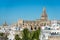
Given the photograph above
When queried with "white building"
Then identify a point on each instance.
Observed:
(53, 30)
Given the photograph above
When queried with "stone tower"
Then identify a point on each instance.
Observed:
(44, 15)
(5, 24)
(44, 18)
(20, 22)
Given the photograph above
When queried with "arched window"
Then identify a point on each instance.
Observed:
(31, 28)
(35, 28)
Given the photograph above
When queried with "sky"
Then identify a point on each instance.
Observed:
(13, 10)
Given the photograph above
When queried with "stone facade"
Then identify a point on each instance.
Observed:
(43, 21)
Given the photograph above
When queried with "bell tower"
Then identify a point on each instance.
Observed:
(44, 15)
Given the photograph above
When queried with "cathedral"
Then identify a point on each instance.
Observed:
(50, 29)
(33, 25)
(43, 21)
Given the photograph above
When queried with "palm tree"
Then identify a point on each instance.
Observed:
(27, 35)
(36, 35)
(33, 35)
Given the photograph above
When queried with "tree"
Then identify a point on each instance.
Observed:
(17, 37)
(4, 36)
(26, 34)
(36, 34)
(1, 34)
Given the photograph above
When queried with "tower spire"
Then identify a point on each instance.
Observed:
(44, 15)
(44, 12)
(5, 24)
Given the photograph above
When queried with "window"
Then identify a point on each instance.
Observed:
(35, 28)
(31, 28)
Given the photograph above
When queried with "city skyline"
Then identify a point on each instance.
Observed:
(13, 10)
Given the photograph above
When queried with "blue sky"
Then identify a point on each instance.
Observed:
(13, 10)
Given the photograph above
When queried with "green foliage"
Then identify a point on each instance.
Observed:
(17, 37)
(36, 34)
(27, 35)
(4, 36)
(1, 34)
